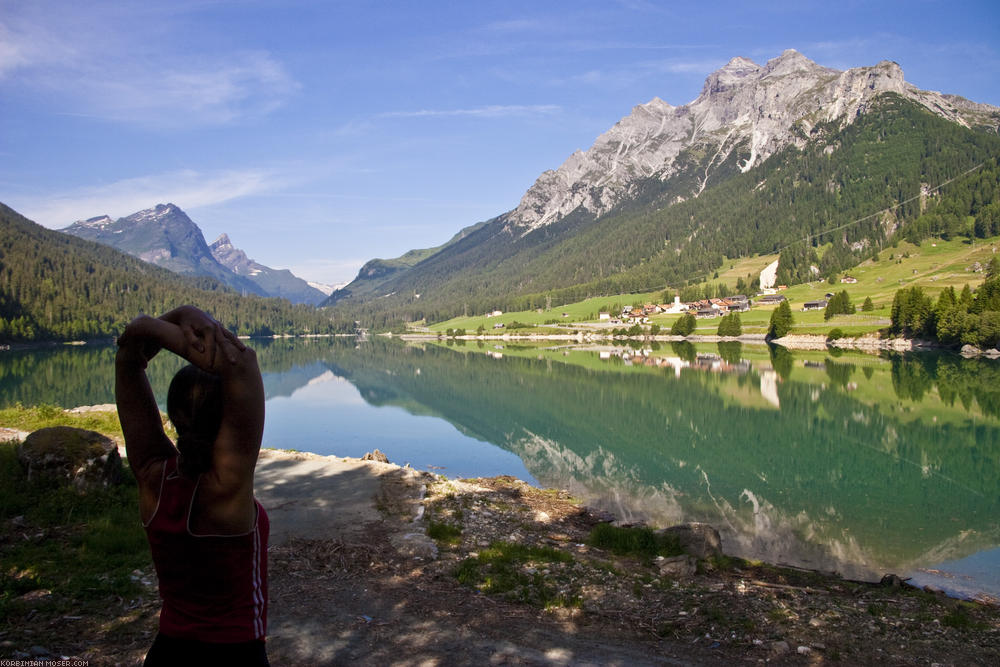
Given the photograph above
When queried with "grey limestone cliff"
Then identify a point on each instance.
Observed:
(745, 110)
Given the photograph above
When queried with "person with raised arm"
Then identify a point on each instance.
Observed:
(207, 533)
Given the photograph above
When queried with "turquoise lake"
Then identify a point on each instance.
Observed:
(853, 463)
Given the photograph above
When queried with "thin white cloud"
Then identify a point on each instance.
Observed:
(492, 111)
(121, 64)
(24, 45)
(188, 189)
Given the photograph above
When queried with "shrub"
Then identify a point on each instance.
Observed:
(683, 326)
(640, 542)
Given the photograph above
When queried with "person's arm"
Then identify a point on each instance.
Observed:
(145, 441)
(186, 331)
(238, 442)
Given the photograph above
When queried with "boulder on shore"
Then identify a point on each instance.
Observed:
(377, 455)
(698, 539)
(71, 456)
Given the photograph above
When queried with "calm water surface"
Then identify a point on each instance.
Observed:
(858, 464)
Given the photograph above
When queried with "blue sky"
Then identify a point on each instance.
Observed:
(321, 134)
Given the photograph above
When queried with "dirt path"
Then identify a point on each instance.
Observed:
(386, 595)
(353, 580)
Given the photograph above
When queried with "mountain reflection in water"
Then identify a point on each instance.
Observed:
(857, 464)
(841, 462)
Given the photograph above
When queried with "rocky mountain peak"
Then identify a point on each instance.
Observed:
(734, 72)
(233, 258)
(164, 235)
(790, 61)
(221, 242)
(98, 222)
(744, 109)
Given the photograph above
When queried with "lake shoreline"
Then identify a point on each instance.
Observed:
(335, 461)
(720, 608)
(807, 342)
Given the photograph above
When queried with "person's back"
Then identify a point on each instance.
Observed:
(214, 587)
(207, 533)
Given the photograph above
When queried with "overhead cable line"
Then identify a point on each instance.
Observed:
(885, 210)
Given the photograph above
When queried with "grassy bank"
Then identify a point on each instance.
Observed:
(69, 559)
(65, 552)
(933, 265)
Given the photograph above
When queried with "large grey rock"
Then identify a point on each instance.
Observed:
(678, 567)
(697, 539)
(73, 456)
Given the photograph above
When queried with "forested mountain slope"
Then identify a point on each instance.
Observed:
(897, 169)
(164, 235)
(57, 287)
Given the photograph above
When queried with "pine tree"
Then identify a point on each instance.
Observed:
(683, 326)
(730, 325)
(781, 321)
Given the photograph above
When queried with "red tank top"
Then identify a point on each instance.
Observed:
(213, 587)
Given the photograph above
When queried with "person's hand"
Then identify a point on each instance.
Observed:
(230, 345)
(201, 332)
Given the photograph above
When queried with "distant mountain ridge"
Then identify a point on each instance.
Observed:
(164, 235)
(764, 157)
(743, 107)
(274, 282)
(56, 286)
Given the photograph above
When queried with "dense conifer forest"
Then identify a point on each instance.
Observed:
(964, 318)
(897, 171)
(57, 287)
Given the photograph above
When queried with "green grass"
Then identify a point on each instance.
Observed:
(82, 547)
(933, 265)
(577, 312)
(960, 619)
(513, 571)
(35, 417)
(444, 533)
(43, 416)
(638, 542)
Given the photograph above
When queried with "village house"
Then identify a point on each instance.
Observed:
(738, 304)
(851, 279)
(771, 299)
(604, 316)
(815, 305)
